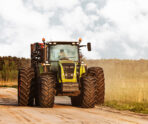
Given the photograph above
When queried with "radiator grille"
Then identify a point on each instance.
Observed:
(68, 70)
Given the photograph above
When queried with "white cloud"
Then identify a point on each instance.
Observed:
(130, 17)
(54, 4)
(75, 20)
(21, 27)
(130, 52)
(19, 15)
(91, 7)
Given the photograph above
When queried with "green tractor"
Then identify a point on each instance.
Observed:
(57, 69)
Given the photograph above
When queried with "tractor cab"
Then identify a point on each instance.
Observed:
(62, 53)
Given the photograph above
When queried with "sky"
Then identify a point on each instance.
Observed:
(116, 28)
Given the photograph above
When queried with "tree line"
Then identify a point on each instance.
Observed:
(9, 67)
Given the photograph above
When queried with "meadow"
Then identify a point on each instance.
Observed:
(126, 83)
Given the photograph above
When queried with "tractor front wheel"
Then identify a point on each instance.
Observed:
(46, 91)
(88, 91)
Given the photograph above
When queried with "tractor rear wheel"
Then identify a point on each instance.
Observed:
(46, 90)
(98, 73)
(25, 86)
(88, 91)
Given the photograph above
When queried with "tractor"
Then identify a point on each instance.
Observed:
(57, 69)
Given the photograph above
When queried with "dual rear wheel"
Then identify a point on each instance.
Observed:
(98, 74)
(86, 99)
(27, 88)
(92, 90)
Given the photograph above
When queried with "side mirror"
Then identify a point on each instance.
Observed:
(89, 46)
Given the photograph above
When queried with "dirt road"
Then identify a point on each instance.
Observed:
(62, 113)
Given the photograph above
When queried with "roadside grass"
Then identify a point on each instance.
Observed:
(132, 96)
(134, 107)
(10, 84)
(13, 86)
(129, 91)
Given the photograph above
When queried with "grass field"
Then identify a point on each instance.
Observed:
(126, 83)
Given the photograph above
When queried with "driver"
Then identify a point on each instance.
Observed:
(62, 54)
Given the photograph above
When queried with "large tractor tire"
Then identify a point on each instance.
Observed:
(76, 100)
(88, 91)
(26, 86)
(98, 73)
(46, 91)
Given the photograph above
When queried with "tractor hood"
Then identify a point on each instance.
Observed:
(68, 71)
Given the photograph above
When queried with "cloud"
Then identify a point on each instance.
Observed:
(128, 17)
(116, 28)
(130, 20)
(91, 7)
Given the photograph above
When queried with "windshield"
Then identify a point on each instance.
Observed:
(63, 52)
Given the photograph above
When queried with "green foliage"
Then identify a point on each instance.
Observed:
(9, 67)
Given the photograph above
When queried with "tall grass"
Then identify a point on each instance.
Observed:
(126, 80)
(127, 91)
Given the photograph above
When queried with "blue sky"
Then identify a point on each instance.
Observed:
(116, 28)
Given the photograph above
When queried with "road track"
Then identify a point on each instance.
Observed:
(62, 113)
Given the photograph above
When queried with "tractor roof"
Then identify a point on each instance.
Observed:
(63, 42)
